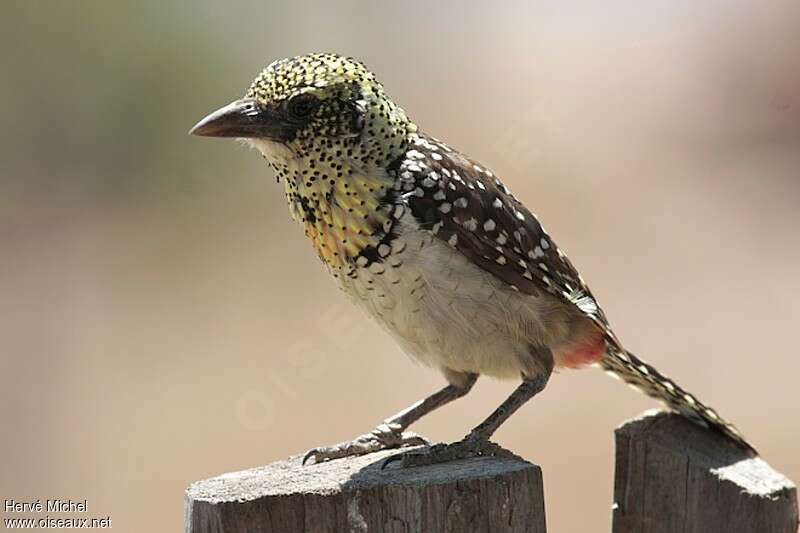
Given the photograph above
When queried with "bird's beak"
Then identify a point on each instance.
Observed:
(242, 118)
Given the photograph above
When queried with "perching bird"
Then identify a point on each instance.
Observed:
(433, 246)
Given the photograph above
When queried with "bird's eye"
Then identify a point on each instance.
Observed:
(303, 105)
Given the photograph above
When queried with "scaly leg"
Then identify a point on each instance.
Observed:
(391, 433)
(477, 442)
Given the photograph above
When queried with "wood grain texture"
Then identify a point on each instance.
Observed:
(353, 495)
(675, 477)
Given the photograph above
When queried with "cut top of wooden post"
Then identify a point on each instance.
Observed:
(672, 475)
(353, 494)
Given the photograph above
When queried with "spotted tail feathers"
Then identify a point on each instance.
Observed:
(632, 370)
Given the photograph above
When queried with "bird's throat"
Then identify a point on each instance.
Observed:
(340, 204)
(342, 217)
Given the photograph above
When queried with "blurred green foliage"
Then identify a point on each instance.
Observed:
(98, 97)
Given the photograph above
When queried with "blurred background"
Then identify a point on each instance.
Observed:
(157, 304)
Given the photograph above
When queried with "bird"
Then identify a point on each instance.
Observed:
(434, 247)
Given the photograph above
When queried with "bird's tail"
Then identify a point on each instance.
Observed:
(634, 371)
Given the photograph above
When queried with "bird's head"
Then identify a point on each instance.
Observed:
(314, 105)
(329, 131)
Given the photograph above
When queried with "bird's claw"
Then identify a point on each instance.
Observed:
(384, 437)
(470, 446)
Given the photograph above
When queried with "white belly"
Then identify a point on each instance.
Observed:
(448, 313)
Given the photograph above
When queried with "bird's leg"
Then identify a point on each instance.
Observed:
(477, 442)
(392, 432)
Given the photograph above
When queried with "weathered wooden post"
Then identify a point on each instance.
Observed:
(672, 476)
(487, 495)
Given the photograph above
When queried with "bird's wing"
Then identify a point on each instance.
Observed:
(466, 206)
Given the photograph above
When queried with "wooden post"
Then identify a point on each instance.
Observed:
(484, 494)
(672, 475)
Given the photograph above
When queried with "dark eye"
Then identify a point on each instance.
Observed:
(303, 105)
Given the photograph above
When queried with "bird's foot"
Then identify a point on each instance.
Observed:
(383, 437)
(470, 446)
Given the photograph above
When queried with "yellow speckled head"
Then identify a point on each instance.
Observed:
(326, 101)
(284, 78)
(331, 134)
